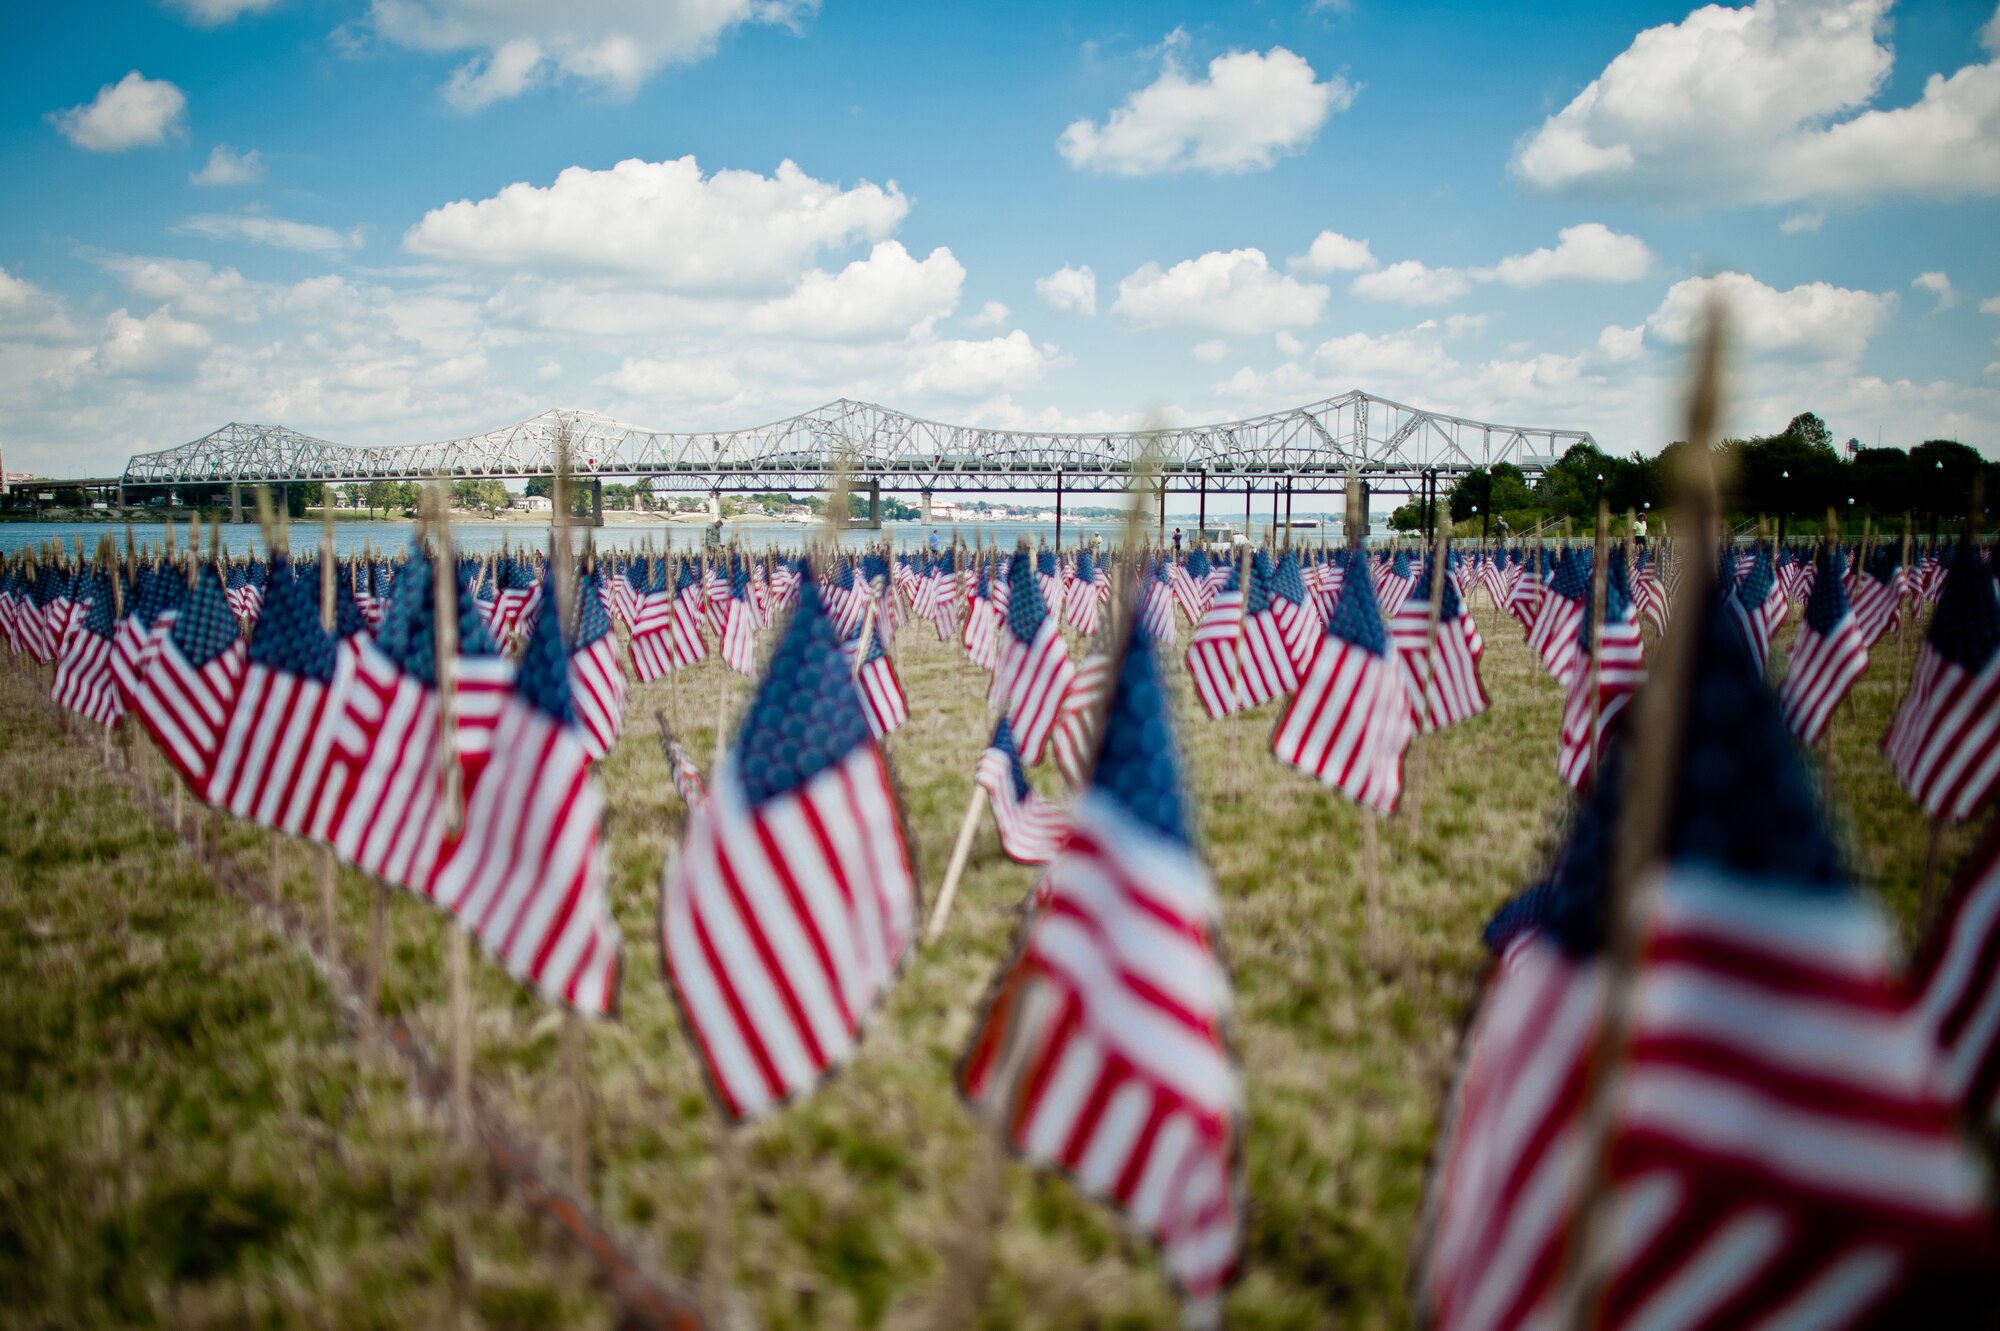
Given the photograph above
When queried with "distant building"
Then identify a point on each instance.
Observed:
(536, 504)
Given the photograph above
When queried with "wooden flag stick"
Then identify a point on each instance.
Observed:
(1902, 623)
(568, 616)
(446, 628)
(961, 851)
(1599, 591)
(1416, 781)
(1657, 724)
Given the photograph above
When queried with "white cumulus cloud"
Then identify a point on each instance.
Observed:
(1211, 351)
(1771, 103)
(991, 315)
(1410, 282)
(1588, 252)
(889, 292)
(955, 368)
(663, 223)
(1815, 319)
(1250, 109)
(1332, 253)
(1939, 285)
(1233, 291)
(226, 166)
(1069, 290)
(135, 112)
(156, 346)
(613, 45)
(213, 13)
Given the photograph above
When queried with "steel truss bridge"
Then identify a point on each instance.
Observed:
(1314, 448)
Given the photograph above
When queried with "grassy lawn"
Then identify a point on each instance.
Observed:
(182, 1073)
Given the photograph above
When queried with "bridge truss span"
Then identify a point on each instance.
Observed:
(1311, 448)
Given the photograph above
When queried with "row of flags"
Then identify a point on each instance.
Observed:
(1103, 1048)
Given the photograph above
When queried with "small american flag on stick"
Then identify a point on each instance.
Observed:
(790, 906)
(1103, 1050)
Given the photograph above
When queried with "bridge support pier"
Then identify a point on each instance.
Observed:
(236, 503)
(596, 502)
(875, 503)
(1058, 508)
(924, 503)
(1201, 514)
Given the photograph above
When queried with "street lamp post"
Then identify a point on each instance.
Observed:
(1784, 501)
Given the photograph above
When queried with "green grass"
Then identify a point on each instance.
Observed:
(842, 1203)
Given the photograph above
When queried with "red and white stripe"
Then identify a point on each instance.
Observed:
(275, 748)
(380, 805)
(1106, 1041)
(84, 681)
(1349, 723)
(185, 708)
(882, 697)
(597, 690)
(1031, 681)
(1031, 827)
(527, 876)
(1213, 658)
(1945, 741)
(1820, 670)
(783, 923)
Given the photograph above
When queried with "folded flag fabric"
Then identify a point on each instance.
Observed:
(526, 871)
(1031, 828)
(1945, 741)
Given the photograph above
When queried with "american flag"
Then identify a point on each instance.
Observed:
(1298, 611)
(1350, 720)
(526, 874)
(1827, 656)
(739, 625)
(1441, 671)
(1779, 1153)
(483, 678)
(1034, 671)
(1188, 579)
(1031, 828)
(1945, 740)
(1214, 657)
(280, 731)
(1267, 670)
(32, 617)
(790, 906)
(622, 590)
(1649, 593)
(982, 623)
(1621, 669)
(1075, 738)
(1393, 583)
(652, 628)
(1156, 607)
(1954, 987)
(246, 590)
(1103, 1050)
(1554, 633)
(1524, 600)
(84, 682)
(1049, 578)
(380, 806)
(1750, 602)
(191, 682)
(875, 679)
(13, 603)
(56, 596)
(1878, 596)
(846, 597)
(156, 597)
(1084, 596)
(596, 680)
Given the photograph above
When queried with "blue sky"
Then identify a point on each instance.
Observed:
(408, 219)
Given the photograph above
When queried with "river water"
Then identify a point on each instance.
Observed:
(483, 536)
